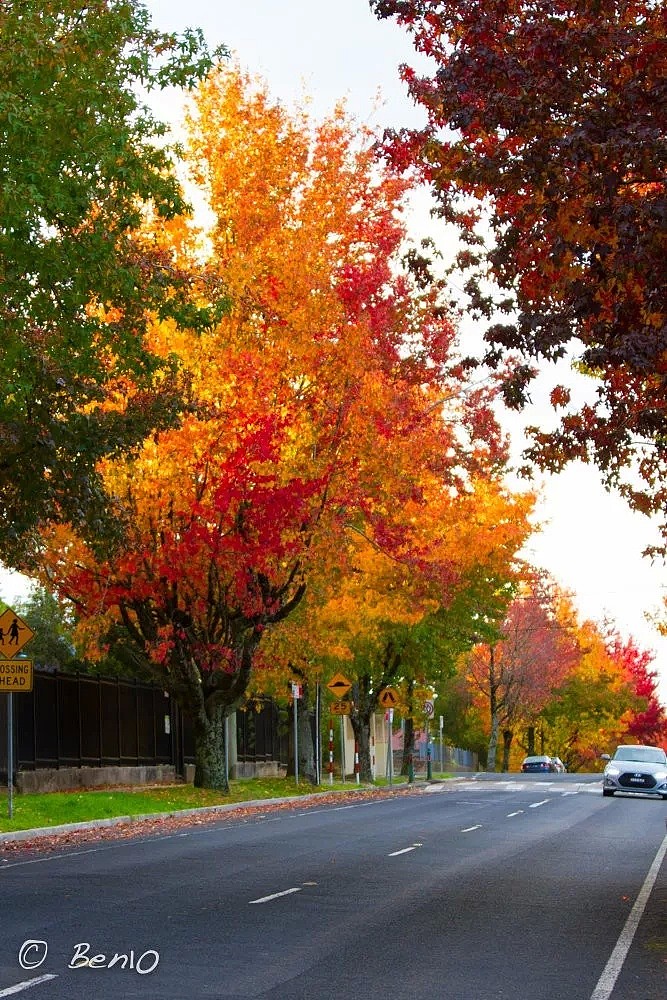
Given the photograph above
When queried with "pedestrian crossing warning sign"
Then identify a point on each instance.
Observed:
(14, 634)
(388, 698)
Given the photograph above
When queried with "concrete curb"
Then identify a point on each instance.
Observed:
(97, 824)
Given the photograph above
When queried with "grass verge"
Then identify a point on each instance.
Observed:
(46, 809)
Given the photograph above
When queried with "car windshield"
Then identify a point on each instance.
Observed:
(647, 755)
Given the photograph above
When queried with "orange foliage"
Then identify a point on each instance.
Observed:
(326, 402)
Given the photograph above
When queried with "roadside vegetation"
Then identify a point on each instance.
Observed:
(33, 811)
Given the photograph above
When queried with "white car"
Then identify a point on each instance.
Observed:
(637, 769)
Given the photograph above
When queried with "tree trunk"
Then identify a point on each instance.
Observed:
(365, 704)
(408, 745)
(531, 741)
(493, 710)
(507, 746)
(305, 723)
(305, 726)
(493, 743)
(209, 736)
(361, 727)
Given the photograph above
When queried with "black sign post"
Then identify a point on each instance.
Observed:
(15, 675)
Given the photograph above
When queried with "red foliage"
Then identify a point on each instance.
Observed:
(649, 724)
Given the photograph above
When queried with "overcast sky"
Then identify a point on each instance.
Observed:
(590, 543)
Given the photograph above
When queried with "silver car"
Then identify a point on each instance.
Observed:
(636, 769)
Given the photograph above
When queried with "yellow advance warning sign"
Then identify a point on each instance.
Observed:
(15, 676)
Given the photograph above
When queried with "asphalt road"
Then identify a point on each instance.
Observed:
(526, 889)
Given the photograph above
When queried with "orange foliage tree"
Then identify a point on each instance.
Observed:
(391, 620)
(594, 707)
(315, 408)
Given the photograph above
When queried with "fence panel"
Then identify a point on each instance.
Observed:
(77, 720)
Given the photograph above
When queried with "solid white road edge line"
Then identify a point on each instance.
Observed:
(26, 985)
(613, 967)
(274, 895)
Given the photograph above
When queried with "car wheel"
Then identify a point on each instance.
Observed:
(607, 791)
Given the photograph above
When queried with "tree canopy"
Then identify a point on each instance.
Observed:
(545, 146)
(329, 401)
(81, 161)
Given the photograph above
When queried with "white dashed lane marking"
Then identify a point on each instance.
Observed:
(274, 895)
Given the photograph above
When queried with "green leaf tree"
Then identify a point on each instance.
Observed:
(52, 646)
(81, 160)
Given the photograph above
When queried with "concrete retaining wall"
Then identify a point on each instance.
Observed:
(66, 778)
(246, 769)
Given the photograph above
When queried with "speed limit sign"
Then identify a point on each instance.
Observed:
(428, 708)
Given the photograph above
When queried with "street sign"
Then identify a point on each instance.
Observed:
(15, 676)
(339, 685)
(428, 708)
(340, 707)
(14, 634)
(297, 690)
(388, 697)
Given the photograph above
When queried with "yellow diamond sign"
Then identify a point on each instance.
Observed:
(14, 634)
(388, 698)
(339, 685)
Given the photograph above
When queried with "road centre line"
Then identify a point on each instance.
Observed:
(517, 813)
(536, 805)
(26, 985)
(611, 971)
(469, 829)
(405, 850)
(274, 895)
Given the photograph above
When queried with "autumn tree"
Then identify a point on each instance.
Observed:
(328, 401)
(80, 159)
(400, 619)
(589, 712)
(544, 145)
(647, 723)
(516, 673)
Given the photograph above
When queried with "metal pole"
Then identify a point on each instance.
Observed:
(296, 741)
(342, 748)
(390, 752)
(227, 750)
(10, 755)
(429, 766)
(442, 753)
(318, 735)
(331, 751)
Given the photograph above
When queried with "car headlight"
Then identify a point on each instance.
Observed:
(613, 772)
(660, 775)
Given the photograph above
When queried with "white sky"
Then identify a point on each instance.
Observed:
(591, 543)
